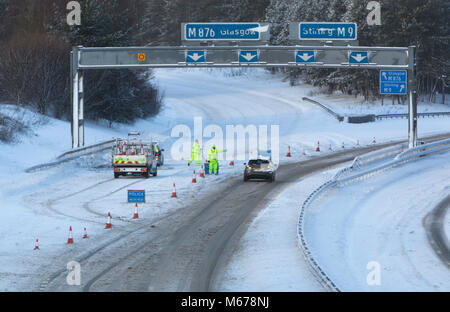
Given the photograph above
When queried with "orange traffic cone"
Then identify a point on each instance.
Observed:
(202, 171)
(303, 151)
(194, 178)
(108, 223)
(318, 147)
(70, 239)
(289, 152)
(135, 215)
(174, 192)
(36, 245)
(374, 141)
(85, 233)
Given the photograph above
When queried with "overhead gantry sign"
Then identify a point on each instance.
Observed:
(207, 52)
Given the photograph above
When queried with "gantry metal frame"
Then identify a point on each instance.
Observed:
(82, 58)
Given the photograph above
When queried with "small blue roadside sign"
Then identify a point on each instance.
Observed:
(248, 56)
(136, 196)
(195, 57)
(328, 31)
(305, 57)
(361, 57)
(222, 31)
(393, 82)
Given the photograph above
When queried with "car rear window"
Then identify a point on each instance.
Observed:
(258, 161)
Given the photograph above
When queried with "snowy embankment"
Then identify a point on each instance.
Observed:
(380, 221)
(80, 193)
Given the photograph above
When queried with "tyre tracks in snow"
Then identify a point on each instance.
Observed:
(434, 227)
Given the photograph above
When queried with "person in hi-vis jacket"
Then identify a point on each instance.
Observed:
(212, 159)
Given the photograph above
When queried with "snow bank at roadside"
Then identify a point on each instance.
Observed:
(380, 220)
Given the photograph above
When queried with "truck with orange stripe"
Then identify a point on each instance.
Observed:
(134, 157)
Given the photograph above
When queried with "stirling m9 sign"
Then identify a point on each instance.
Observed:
(225, 32)
(327, 31)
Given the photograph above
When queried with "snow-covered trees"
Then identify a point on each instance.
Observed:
(423, 23)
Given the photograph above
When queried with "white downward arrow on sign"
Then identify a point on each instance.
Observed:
(402, 87)
(195, 57)
(359, 57)
(306, 56)
(248, 56)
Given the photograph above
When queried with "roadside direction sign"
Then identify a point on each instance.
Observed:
(358, 57)
(195, 56)
(393, 82)
(305, 57)
(136, 196)
(248, 56)
(223, 31)
(328, 31)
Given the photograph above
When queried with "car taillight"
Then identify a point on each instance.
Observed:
(116, 169)
(144, 169)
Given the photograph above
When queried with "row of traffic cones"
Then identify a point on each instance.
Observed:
(85, 235)
(374, 141)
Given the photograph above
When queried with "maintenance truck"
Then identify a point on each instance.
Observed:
(135, 157)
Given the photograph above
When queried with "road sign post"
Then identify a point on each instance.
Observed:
(412, 92)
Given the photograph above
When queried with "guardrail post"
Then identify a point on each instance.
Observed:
(412, 92)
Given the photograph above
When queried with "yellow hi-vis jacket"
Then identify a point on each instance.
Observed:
(196, 151)
(212, 153)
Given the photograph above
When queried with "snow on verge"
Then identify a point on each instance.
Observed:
(380, 221)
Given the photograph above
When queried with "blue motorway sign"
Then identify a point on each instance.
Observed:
(136, 196)
(223, 31)
(248, 56)
(195, 56)
(328, 31)
(305, 57)
(393, 82)
(358, 57)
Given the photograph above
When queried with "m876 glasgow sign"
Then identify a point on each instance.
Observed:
(224, 31)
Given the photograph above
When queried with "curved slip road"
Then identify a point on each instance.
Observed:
(186, 250)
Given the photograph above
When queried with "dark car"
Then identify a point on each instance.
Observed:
(259, 169)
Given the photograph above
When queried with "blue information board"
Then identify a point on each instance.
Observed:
(328, 31)
(393, 82)
(136, 196)
(222, 31)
